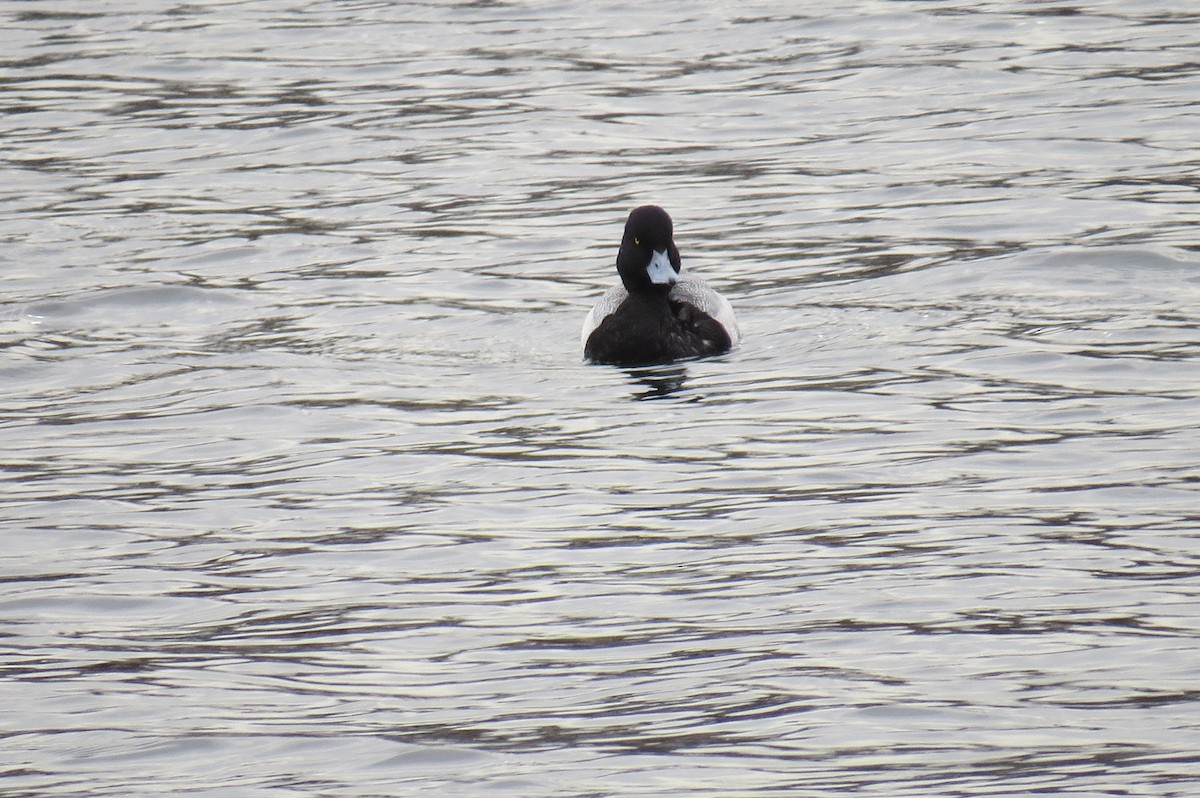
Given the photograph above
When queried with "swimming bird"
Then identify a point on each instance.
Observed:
(657, 314)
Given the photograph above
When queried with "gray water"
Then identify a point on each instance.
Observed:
(307, 490)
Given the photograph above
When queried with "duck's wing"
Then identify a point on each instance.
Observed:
(698, 294)
(607, 305)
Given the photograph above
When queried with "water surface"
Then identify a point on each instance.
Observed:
(308, 492)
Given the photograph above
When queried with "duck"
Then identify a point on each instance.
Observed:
(658, 313)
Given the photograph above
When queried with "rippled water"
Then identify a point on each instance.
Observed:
(307, 490)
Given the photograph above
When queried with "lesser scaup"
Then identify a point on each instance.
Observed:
(657, 314)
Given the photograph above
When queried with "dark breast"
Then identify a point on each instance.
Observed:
(647, 330)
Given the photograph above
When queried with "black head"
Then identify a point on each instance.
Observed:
(648, 260)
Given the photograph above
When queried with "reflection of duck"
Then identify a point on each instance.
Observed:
(659, 382)
(656, 315)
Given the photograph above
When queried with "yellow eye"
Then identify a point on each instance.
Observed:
(637, 242)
